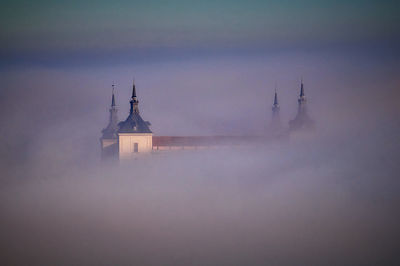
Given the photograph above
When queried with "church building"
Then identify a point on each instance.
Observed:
(128, 137)
(132, 137)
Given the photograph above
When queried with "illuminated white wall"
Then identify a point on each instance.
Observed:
(127, 142)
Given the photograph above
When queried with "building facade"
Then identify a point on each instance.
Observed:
(132, 137)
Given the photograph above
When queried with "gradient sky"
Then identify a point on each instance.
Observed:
(104, 32)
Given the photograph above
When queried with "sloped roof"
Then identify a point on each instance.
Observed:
(134, 124)
(110, 132)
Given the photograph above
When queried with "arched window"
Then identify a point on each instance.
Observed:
(136, 147)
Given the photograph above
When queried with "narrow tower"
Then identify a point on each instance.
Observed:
(275, 108)
(134, 101)
(109, 136)
(302, 120)
(134, 134)
(275, 128)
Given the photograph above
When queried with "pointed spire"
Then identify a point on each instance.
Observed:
(302, 89)
(134, 101)
(276, 97)
(110, 131)
(113, 97)
(133, 90)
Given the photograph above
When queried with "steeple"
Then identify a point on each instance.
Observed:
(302, 89)
(134, 122)
(302, 96)
(110, 131)
(133, 90)
(302, 120)
(113, 97)
(275, 126)
(134, 101)
(276, 104)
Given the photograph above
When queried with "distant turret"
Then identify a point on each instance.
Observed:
(302, 120)
(302, 96)
(275, 106)
(275, 128)
(109, 138)
(110, 132)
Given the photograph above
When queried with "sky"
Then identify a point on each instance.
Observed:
(78, 32)
(200, 68)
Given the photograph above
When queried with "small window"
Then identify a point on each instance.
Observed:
(136, 147)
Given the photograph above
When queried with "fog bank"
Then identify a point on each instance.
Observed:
(329, 199)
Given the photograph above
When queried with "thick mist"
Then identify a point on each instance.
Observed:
(330, 198)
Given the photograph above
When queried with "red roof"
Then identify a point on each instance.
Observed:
(201, 140)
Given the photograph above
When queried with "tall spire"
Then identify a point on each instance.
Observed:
(302, 89)
(302, 96)
(113, 97)
(134, 123)
(276, 99)
(302, 120)
(110, 131)
(274, 128)
(133, 90)
(134, 101)
(276, 104)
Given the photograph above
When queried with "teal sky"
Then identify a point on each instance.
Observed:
(65, 29)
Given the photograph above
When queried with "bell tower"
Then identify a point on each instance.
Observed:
(134, 134)
(109, 138)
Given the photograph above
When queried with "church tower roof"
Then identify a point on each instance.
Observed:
(302, 89)
(113, 97)
(134, 122)
(274, 129)
(302, 120)
(110, 131)
(276, 104)
(302, 96)
(133, 90)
